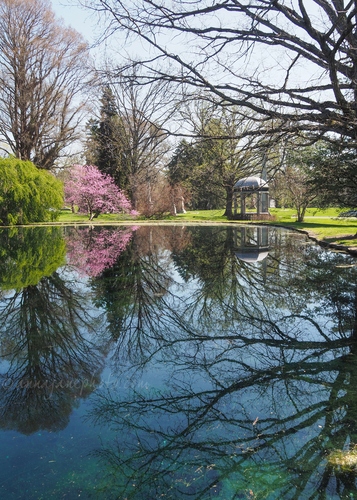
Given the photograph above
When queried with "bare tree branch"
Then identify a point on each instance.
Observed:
(294, 62)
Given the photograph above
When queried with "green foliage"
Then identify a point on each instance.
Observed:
(193, 167)
(334, 174)
(209, 167)
(184, 158)
(27, 194)
(29, 254)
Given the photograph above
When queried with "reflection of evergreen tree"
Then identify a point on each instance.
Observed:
(134, 292)
(204, 257)
(224, 280)
(115, 289)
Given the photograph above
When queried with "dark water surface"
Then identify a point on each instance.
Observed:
(176, 362)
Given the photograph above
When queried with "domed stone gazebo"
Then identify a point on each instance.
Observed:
(246, 187)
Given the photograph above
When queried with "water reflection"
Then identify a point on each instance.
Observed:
(93, 249)
(255, 374)
(229, 380)
(252, 243)
(29, 254)
(47, 332)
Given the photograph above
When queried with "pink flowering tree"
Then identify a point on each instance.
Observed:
(94, 192)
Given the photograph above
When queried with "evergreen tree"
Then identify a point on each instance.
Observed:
(106, 142)
(333, 174)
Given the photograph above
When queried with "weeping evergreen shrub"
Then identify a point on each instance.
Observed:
(27, 194)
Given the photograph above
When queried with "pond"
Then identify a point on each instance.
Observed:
(176, 362)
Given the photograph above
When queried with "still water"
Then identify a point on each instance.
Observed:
(176, 362)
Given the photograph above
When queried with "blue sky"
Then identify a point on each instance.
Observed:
(86, 22)
(76, 17)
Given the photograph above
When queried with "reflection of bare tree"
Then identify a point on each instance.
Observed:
(256, 385)
(269, 420)
(46, 332)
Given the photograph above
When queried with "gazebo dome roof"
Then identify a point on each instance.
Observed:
(252, 183)
(252, 256)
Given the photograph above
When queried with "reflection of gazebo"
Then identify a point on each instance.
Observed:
(251, 244)
(249, 187)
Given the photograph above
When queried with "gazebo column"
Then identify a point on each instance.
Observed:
(242, 203)
(265, 202)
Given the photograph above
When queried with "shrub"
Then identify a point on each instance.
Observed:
(27, 194)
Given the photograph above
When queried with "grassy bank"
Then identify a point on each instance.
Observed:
(325, 225)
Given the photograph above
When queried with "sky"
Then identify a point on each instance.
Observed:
(86, 22)
(78, 18)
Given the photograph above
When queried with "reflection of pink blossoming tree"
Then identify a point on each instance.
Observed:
(91, 250)
(94, 192)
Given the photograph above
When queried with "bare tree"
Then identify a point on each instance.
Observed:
(293, 62)
(294, 187)
(44, 68)
(142, 113)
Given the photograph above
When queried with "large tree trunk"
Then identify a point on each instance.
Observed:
(229, 202)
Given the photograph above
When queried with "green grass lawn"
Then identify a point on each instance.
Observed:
(67, 216)
(323, 224)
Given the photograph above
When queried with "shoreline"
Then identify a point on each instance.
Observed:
(338, 247)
